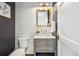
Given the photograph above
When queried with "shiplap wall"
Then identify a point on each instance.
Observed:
(25, 22)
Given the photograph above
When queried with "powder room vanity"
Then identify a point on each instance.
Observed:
(44, 44)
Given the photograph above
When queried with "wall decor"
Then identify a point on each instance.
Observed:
(5, 10)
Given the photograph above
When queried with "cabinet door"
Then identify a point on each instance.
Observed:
(45, 45)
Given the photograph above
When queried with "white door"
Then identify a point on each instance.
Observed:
(68, 29)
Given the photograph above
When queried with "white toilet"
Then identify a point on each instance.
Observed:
(23, 44)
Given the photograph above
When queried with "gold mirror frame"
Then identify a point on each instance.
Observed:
(49, 17)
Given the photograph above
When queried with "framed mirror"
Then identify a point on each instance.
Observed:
(43, 17)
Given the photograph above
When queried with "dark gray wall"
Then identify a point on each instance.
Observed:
(7, 32)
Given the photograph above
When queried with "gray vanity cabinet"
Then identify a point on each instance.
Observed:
(45, 45)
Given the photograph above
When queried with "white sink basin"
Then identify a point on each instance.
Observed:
(44, 34)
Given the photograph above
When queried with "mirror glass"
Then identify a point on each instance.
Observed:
(43, 18)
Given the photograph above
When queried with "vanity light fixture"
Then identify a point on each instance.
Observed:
(43, 4)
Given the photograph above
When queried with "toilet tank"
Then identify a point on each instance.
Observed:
(23, 42)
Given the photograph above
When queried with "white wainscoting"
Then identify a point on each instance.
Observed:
(68, 47)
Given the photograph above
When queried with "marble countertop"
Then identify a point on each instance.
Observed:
(44, 35)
